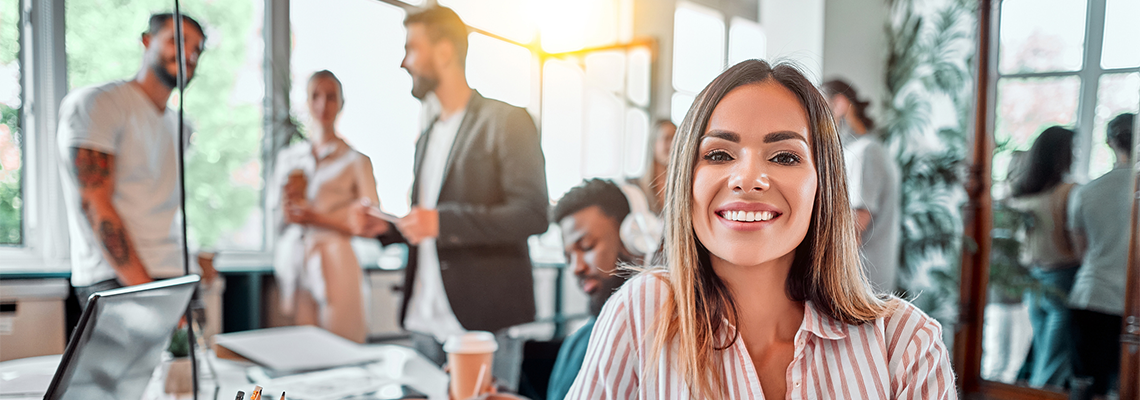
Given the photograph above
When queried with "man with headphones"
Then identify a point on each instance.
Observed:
(604, 225)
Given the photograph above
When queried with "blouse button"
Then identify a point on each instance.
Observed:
(797, 384)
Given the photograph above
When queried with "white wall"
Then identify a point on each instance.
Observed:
(795, 30)
(855, 47)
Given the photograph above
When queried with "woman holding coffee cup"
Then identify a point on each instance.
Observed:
(761, 294)
(315, 184)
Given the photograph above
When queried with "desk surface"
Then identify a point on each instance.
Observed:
(398, 365)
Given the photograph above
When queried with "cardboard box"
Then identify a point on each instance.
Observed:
(32, 317)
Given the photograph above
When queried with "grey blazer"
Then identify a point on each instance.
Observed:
(493, 197)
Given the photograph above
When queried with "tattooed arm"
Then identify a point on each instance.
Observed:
(94, 171)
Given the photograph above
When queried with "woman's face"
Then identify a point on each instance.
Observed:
(324, 100)
(754, 182)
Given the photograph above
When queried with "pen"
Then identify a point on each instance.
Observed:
(256, 394)
(240, 395)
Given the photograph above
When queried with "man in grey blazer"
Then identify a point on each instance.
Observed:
(479, 192)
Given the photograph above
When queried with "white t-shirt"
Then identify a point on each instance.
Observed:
(118, 119)
(429, 310)
(873, 182)
(1099, 211)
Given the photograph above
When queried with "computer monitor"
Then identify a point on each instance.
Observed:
(119, 340)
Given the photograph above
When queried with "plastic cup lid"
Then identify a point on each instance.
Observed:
(472, 342)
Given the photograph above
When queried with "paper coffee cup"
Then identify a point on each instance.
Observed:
(470, 356)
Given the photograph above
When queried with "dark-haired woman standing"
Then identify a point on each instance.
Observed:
(1042, 192)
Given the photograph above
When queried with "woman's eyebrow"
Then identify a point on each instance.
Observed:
(726, 135)
(783, 135)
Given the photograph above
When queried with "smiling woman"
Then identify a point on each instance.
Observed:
(762, 294)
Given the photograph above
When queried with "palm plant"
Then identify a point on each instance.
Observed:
(931, 48)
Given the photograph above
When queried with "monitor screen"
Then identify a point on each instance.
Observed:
(120, 339)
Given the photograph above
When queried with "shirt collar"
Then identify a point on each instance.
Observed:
(821, 324)
(328, 149)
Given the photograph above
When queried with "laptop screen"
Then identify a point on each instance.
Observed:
(120, 339)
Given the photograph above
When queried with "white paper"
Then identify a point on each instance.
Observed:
(329, 385)
(296, 348)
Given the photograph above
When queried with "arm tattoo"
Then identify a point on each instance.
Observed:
(92, 168)
(115, 241)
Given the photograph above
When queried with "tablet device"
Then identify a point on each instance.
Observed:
(119, 340)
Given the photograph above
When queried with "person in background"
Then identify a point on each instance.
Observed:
(118, 145)
(873, 180)
(657, 162)
(761, 294)
(1043, 192)
(479, 192)
(316, 183)
(1099, 233)
(590, 217)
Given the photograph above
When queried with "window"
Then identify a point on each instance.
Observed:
(573, 65)
(1065, 62)
(562, 100)
(499, 69)
(11, 139)
(700, 52)
(364, 49)
(223, 104)
(1071, 63)
(575, 68)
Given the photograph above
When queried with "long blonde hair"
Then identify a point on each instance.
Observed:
(826, 269)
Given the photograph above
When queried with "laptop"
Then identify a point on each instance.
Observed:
(119, 340)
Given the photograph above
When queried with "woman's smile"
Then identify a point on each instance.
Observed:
(743, 216)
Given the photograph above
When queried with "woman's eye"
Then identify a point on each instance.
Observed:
(717, 156)
(786, 159)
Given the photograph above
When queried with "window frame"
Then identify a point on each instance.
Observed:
(45, 246)
(1089, 75)
(46, 235)
(730, 19)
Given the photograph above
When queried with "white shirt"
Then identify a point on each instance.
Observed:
(429, 311)
(873, 183)
(1099, 212)
(898, 356)
(118, 119)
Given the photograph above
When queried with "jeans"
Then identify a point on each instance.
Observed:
(1050, 318)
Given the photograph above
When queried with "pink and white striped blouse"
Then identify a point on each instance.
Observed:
(899, 356)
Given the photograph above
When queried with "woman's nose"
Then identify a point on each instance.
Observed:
(750, 176)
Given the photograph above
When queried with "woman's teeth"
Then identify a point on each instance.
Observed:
(748, 216)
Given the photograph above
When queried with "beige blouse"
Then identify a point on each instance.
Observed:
(338, 176)
(1047, 244)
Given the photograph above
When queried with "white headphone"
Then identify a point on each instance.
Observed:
(641, 231)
